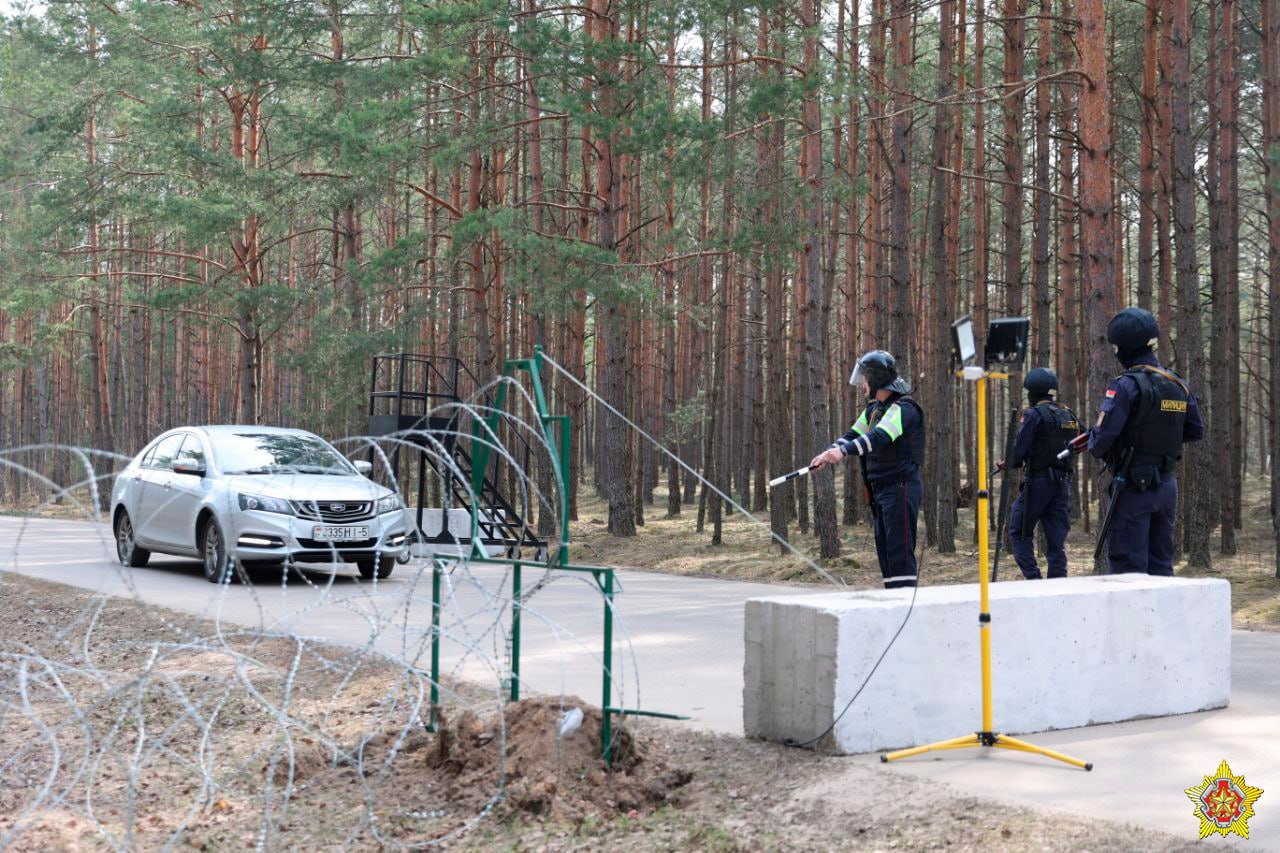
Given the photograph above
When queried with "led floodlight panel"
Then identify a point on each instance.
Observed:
(963, 348)
(1007, 342)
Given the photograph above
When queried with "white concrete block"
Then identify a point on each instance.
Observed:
(1065, 653)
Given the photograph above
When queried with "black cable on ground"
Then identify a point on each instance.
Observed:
(906, 529)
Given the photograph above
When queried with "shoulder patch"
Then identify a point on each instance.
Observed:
(1111, 392)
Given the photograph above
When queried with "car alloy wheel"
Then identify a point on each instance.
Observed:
(213, 552)
(127, 549)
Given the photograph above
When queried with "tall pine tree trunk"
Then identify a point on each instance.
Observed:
(818, 297)
(901, 332)
(1198, 461)
(942, 467)
(615, 453)
(1097, 246)
(1271, 149)
(1040, 248)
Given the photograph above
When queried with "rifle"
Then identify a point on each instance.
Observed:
(1002, 514)
(1117, 483)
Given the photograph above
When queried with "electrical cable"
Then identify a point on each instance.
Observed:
(906, 528)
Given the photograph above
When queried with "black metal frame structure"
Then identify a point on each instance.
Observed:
(419, 399)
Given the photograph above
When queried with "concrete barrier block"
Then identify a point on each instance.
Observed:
(1065, 653)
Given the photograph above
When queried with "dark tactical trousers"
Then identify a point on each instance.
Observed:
(1141, 535)
(1045, 499)
(894, 509)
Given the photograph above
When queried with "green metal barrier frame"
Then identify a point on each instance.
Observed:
(483, 429)
(557, 431)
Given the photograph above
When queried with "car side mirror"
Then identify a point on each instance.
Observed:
(188, 466)
(364, 467)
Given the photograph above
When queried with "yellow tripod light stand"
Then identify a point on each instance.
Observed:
(987, 736)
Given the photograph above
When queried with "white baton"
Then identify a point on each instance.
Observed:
(778, 481)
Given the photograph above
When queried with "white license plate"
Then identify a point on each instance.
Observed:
(339, 534)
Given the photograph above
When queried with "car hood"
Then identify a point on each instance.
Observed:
(307, 487)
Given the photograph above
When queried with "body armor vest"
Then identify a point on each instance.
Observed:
(1152, 437)
(902, 456)
(1058, 425)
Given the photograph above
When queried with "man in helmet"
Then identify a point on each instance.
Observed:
(888, 438)
(1047, 428)
(1146, 416)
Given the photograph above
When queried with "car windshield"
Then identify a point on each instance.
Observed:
(277, 453)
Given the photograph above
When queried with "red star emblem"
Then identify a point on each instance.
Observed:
(1223, 801)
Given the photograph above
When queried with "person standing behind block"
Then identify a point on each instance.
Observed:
(1148, 413)
(1047, 429)
(889, 439)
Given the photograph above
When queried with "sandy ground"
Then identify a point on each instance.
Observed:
(168, 733)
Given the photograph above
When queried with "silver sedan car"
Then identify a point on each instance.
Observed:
(243, 496)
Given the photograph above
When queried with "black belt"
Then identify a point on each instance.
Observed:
(893, 479)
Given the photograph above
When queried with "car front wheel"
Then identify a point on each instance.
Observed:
(213, 552)
(126, 544)
(379, 567)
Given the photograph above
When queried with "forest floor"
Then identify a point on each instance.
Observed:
(673, 789)
(675, 545)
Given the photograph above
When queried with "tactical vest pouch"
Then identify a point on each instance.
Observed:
(1143, 477)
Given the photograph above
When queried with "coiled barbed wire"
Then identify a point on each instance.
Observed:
(84, 733)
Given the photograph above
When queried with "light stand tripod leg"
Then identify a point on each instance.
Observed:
(1006, 742)
(954, 743)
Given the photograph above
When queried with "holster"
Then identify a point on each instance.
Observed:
(1142, 478)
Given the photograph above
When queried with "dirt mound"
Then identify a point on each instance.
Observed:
(545, 772)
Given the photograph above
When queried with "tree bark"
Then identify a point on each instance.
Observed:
(1147, 156)
(1271, 148)
(1012, 105)
(616, 451)
(942, 461)
(1040, 249)
(1097, 245)
(818, 297)
(1196, 509)
(900, 326)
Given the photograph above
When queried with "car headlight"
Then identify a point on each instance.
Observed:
(390, 503)
(262, 503)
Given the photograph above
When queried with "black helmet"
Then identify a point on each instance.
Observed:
(881, 371)
(1133, 332)
(1040, 382)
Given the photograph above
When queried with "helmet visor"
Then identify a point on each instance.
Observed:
(858, 376)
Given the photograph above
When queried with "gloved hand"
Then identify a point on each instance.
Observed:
(830, 456)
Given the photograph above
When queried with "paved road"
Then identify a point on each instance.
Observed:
(1141, 768)
(683, 637)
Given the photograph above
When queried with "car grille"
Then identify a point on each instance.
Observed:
(330, 547)
(333, 512)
